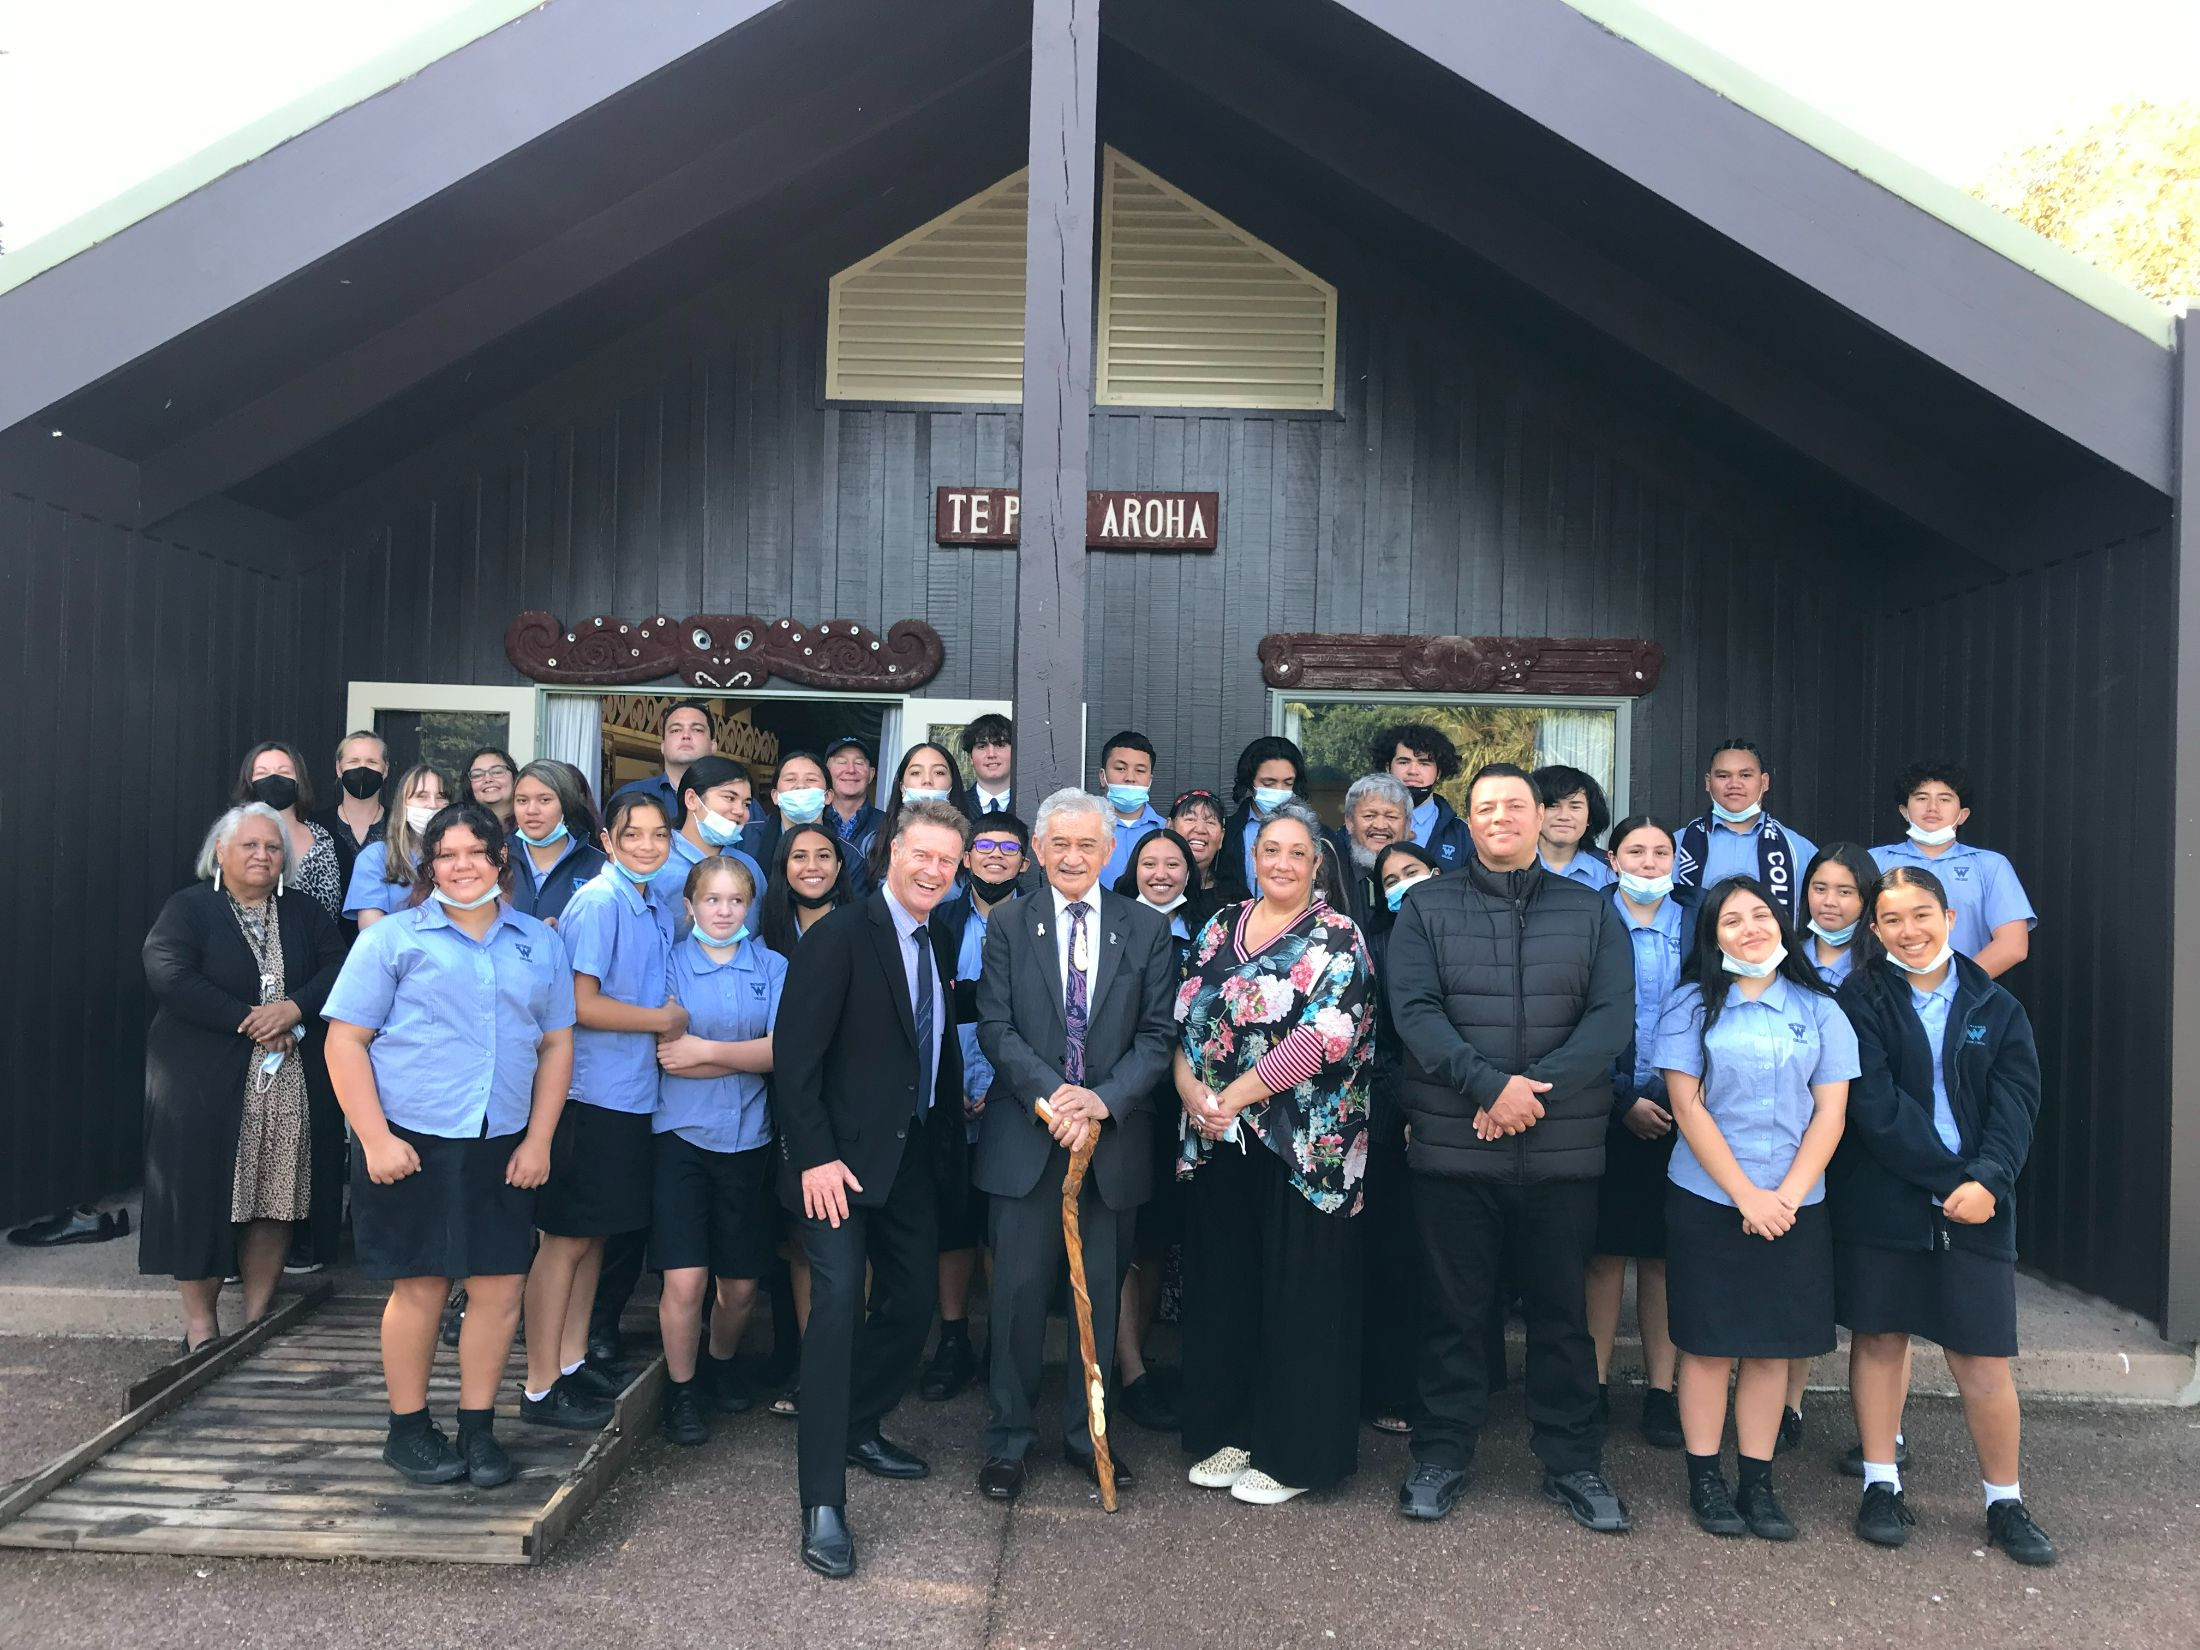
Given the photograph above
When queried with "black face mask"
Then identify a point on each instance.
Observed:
(992, 892)
(1420, 793)
(277, 790)
(809, 902)
(362, 782)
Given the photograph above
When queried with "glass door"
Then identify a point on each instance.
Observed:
(444, 723)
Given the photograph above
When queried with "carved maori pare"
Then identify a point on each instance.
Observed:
(725, 651)
(1317, 662)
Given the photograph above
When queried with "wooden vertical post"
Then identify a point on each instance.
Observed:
(2181, 1309)
(1058, 270)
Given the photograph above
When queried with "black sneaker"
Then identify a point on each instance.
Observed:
(487, 1465)
(565, 1405)
(1661, 1418)
(950, 1370)
(1713, 1504)
(1762, 1513)
(1593, 1503)
(728, 1393)
(682, 1421)
(1852, 1464)
(424, 1455)
(594, 1382)
(2010, 1527)
(1430, 1491)
(1885, 1519)
(1148, 1403)
(1791, 1431)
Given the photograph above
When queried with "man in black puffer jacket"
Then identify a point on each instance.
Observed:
(1512, 991)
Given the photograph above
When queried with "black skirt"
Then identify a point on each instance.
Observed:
(1963, 1302)
(602, 1167)
(1731, 1295)
(456, 1218)
(713, 1209)
(1631, 1196)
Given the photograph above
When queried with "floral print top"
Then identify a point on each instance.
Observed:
(1302, 1009)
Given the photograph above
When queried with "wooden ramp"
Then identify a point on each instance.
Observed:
(269, 1444)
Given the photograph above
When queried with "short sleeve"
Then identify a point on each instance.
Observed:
(1678, 1042)
(366, 987)
(590, 932)
(559, 1011)
(1838, 1061)
(775, 972)
(2003, 898)
(368, 889)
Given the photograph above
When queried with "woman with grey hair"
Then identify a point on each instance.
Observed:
(239, 964)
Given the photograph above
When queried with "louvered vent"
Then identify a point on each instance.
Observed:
(1194, 312)
(938, 315)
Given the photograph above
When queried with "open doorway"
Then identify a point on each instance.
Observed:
(754, 729)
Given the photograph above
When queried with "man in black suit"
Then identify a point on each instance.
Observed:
(1075, 1007)
(867, 1089)
(990, 744)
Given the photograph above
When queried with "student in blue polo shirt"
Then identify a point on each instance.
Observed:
(1738, 838)
(387, 871)
(551, 858)
(1994, 918)
(617, 940)
(450, 1046)
(714, 801)
(1575, 818)
(1757, 1060)
(689, 736)
(1126, 779)
(714, 1215)
(1421, 758)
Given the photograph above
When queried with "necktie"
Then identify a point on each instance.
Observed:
(1076, 1006)
(921, 936)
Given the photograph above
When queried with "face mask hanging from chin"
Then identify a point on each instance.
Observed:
(1833, 936)
(1940, 960)
(1645, 888)
(1932, 839)
(1727, 816)
(556, 836)
(718, 830)
(1754, 971)
(467, 904)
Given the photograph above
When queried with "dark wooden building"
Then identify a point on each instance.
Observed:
(1510, 326)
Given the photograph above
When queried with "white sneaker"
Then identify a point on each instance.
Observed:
(1221, 1470)
(1260, 1490)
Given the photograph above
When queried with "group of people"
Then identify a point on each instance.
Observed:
(1375, 1088)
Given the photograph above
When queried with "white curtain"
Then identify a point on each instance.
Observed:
(572, 731)
(889, 752)
(1578, 739)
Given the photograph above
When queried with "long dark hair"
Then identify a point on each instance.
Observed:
(466, 774)
(243, 791)
(1379, 914)
(1864, 946)
(477, 817)
(1269, 747)
(1127, 883)
(776, 923)
(1703, 969)
(563, 781)
(882, 840)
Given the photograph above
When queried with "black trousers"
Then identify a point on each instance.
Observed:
(1271, 1322)
(623, 1253)
(856, 1363)
(1390, 1339)
(1469, 1229)
(1028, 1255)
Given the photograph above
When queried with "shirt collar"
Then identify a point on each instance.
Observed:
(1945, 991)
(1424, 814)
(1774, 996)
(904, 923)
(1666, 919)
(1061, 901)
(691, 950)
(433, 913)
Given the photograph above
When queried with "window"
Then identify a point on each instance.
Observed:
(1337, 730)
(443, 723)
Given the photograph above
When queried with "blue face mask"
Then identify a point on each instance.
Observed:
(1128, 799)
(1833, 936)
(1947, 953)
(640, 879)
(1727, 816)
(803, 806)
(718, 830)
(1644, 889)
(1754, 971)
(1268, 799)
(910, 794)
(467, 904)
(731, 940)
(558, 835)
(1395, 895)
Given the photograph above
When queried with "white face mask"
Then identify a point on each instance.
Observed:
(1754, 971)
(1938, 962)
(417, 814)
(1645, 888)
(1933, 839)
(1729, 816)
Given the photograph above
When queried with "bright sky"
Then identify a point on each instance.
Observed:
(96, 95)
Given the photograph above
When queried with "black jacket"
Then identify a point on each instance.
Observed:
(1891, 1162)
(1494, 974)
(1230, 885)
(559, 887)
(1625, 1090)
(1448, 840)
(844, 1083)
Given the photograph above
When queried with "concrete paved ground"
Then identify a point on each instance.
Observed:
(696, 1548)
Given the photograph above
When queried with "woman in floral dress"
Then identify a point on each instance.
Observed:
(1278, 1018)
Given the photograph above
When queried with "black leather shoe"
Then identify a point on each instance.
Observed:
(884, 1460)
(565, 1405)
(1592, 1502)
(606, 1348)
(454, 1318)
(1430, 1491)
(728, 1392)
(1852, 1464)
(1149, 1403)
(1001, 1479)
(950, 1370)
(1791, 1431)
(1713, 1504)
(827, 1546)
(2010, 1527)
(1088, 1464)
(487, 1465)
(682, 1418)
(594, 1382)
(1762, 1512)
(1885, 1519)
(424, 1456)
(1661, 1418)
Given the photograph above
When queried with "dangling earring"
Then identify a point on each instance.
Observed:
(278, 885)
(217, 879)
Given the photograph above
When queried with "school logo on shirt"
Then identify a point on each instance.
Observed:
(1962, 871)
(1974, 1034)
(1450, 851)
(1798, 1030)
(526, 951)
(756, 988)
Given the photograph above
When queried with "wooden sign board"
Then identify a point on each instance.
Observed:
(1113, 520)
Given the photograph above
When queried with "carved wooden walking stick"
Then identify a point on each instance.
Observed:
(1073, 1240)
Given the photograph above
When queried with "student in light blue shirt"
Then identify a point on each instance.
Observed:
(618, 939)
(1757, 1059)
(1575, 818)
(386, 872)
(1738, 837)
(713, 1213)
(1126, 779)
(715, 793)
(1994, 916)
(450, 1047)
(552, 855)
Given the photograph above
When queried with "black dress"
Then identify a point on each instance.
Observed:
(205, 981)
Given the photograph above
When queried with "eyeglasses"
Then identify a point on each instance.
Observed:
(997, 845)
(477, 775)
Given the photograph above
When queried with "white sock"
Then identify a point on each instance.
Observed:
(1883, 1472)
(571, 1367)
(2000, 1492)
(1899, 1441)
(536, 1397)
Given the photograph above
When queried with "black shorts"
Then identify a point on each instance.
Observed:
(456, 1218)
(713, 1209)
(1731, 1295)
(1960, 1301)
(600, 1173)
(963, 1208)
(1631, 1195)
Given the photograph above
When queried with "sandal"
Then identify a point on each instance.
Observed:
(788, 1404)
(1396, 1425)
